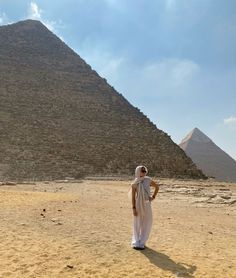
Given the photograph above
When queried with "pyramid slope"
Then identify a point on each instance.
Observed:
(211, 159)
(59, 118)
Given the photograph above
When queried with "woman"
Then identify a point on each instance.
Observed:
(141, 205)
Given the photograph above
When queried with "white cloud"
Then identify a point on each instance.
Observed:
(4, 19)
(117, 5)
(230, 121)
(175, 71)
(167, 77)
(1, 19)
(107, 65)
(112, 2)
(170, 4)
(34, 12)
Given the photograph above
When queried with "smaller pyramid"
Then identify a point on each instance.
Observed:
(211, 159)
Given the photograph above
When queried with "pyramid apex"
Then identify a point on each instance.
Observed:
(196, 135)
(27, 24)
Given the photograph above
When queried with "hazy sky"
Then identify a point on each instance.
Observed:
(174, 59)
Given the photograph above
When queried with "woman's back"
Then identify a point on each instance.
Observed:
(145, 183)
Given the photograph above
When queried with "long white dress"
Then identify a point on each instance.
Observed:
(142, 225)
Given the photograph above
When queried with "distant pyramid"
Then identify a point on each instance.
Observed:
(59, 118)
(211, 159)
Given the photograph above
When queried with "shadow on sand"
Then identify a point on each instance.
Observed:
(166, 263)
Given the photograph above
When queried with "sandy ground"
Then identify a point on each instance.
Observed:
(84, 230)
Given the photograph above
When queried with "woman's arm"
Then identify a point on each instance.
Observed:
(156, 186)
(133, 201)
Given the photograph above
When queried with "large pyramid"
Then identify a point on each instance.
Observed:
(59, 118)
(213, 161)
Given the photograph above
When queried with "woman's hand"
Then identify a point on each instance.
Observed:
(151, 198)
(135, 212)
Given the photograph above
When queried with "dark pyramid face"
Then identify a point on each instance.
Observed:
(59, 118)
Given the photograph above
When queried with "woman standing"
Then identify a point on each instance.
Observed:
(141, 205)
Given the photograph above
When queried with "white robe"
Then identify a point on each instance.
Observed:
(142, 227)
(142, 223)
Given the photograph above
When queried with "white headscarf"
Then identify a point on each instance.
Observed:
(140, 199)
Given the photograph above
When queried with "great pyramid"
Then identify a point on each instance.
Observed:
(59, 118)
(211, 159)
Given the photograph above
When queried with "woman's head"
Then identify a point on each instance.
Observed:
(140, 171)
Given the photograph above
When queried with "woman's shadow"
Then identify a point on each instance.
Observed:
(166, 263)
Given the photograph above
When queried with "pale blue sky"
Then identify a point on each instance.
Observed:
(174, 59)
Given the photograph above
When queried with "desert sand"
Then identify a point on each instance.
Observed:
(83, 229)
